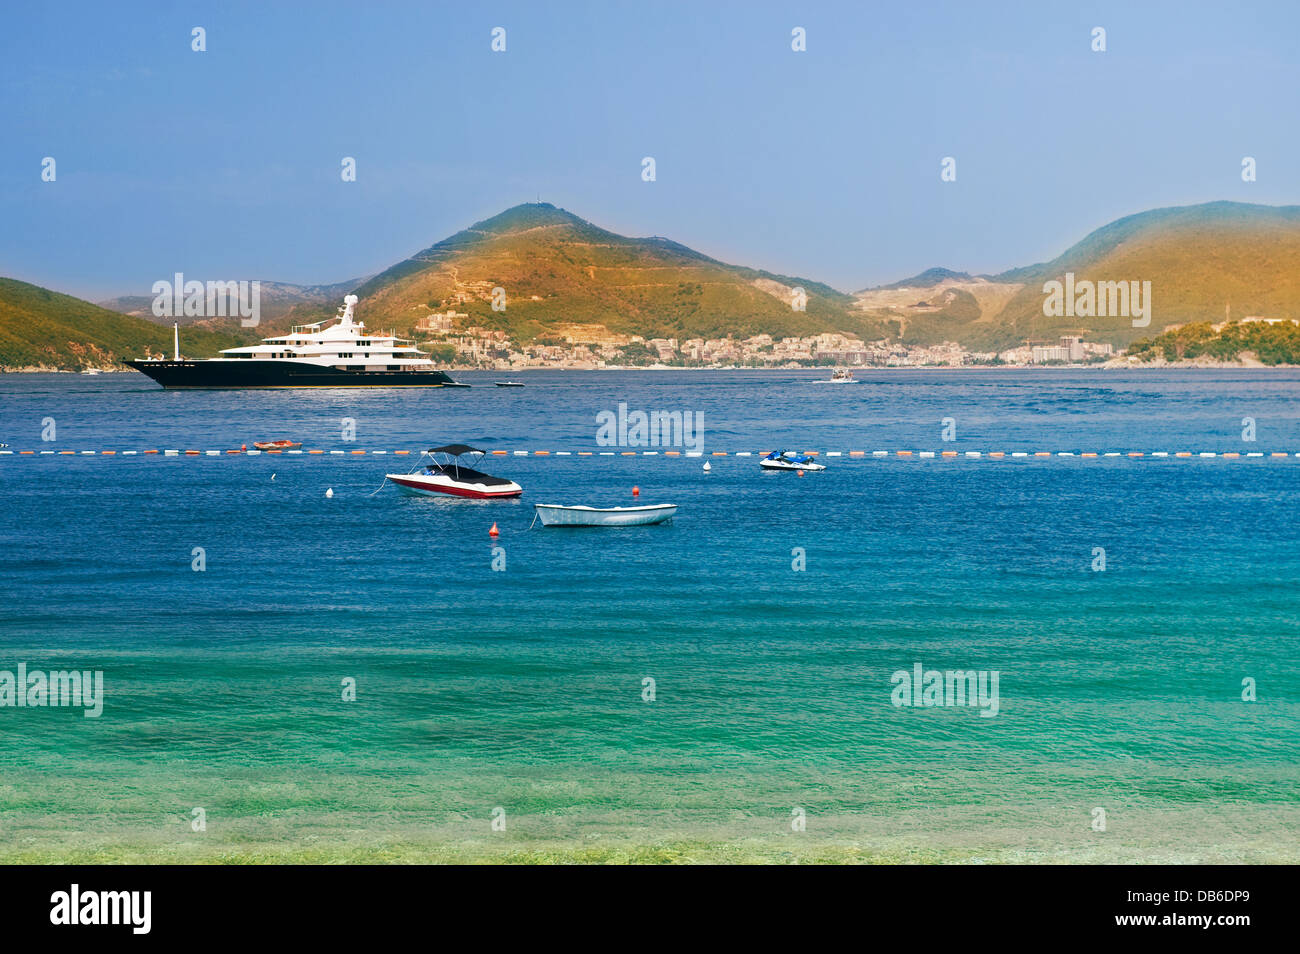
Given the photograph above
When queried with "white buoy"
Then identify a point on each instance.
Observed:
(707, 467)
(273, 476)
(330, 492)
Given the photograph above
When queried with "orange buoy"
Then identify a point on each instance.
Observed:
(243, 447)
(636, 491)
(799, 472)
(494, 532)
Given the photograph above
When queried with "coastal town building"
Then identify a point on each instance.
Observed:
(1071, 349)
(439, 321)
(594, 346)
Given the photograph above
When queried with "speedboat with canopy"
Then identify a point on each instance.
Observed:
(789, 460)
(440, 471)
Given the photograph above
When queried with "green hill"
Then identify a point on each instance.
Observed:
(557, 268)
(1205, 263)
(1200, 260)
(44, 329)
(1258, 342)
(931, 277)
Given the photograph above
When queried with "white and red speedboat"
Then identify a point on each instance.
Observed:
(441, 472)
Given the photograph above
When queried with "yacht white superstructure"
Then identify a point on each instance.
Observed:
(344, 345)
(337, 353)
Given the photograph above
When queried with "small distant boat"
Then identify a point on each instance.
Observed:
(839, 376)
(276, 445)
(510, 384)
(554, 515)
(789, 460)
(443, 473)
(90, 370)
(457, 384)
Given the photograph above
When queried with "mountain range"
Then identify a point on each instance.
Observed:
(278, 299)
(559, 272)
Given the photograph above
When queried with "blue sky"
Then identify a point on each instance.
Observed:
(823, 164)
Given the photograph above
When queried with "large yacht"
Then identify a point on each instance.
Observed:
(322, 355)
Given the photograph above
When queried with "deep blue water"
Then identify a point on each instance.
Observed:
(523, 688)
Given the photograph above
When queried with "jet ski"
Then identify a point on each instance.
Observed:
(789, 460)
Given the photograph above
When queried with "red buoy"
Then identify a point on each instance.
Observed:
(636, 491)
(494, 532)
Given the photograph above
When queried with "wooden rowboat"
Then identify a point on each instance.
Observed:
(277, 445)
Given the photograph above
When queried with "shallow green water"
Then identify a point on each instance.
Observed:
(522, 690)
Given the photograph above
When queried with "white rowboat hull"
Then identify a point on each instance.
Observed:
(554, 515)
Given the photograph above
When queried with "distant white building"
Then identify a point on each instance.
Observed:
(1070, 349)
(439, 321)
(1041, 354)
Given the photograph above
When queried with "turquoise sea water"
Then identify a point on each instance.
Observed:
(523, 689)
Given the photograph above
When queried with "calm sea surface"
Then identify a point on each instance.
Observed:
(520, 692)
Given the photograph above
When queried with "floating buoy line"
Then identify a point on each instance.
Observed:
(876, 454)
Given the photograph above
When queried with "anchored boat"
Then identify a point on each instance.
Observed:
(555, 515)
(276, 445)
(789, 460)
(440, 471)
(340, 355)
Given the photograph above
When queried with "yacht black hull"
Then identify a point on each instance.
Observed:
(219, 374)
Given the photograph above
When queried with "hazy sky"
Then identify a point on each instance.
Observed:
(825, 164)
